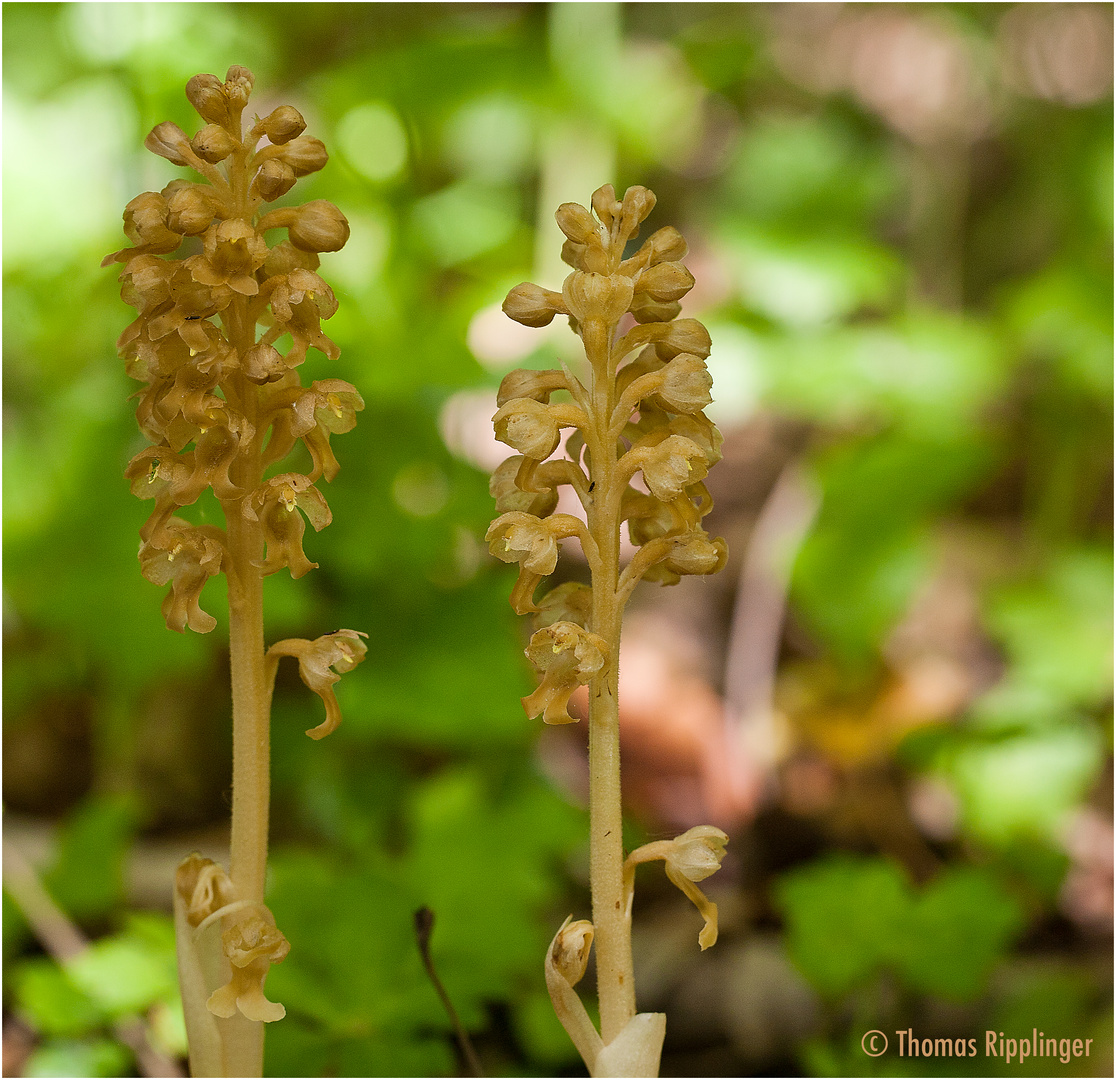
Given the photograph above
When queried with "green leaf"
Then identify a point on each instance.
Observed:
(51, 1001)
(71, 1057)
(957, 933)
(124, 974)
(87, 877)
(1023, 786)
(843, 916)
(1057, 631)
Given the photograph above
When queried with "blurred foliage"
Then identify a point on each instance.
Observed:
(932, 303)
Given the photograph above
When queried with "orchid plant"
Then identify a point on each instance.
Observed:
(222, 406)
(637, 416)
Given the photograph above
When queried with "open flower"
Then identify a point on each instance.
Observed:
(686, 384)
(234, 251)
(321, 663)
(274, 503)
(668, 467)
(299, 301)
(186, 557)
(252, 945)
(533, 543)
(566, 656)
(328, 407)
(689, 858)
(526, 425)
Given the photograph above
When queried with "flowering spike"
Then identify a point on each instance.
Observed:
(219, 405)
(640, 417)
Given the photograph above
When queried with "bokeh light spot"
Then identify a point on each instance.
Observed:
(373, 140)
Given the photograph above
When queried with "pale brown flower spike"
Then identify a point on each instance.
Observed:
(640, 413)
(222, 402)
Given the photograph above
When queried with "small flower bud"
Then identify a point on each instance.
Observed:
(283, 124)
(684, 336)
(528, 383)
(304, 155)
(665, 282)
(319, 226)
(168, 140)
(528, 426)
(570, 602)
(666, 244)
(605, 204)
(238, 86)
(263, 363)
(578, 224)
(638, 203)
(145, 224)
(190, 209)
(697, 554)
(686, 384)
(569, 952)
(574, 255)
(597, 296)
(532, 305)
(213, 143)
(275, 178)
(207, 94)
(646, 310)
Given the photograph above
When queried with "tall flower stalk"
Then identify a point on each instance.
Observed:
(222, 406)
(640, 413)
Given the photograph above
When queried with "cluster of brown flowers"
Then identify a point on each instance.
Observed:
(639, 412)
(213, 392)
(671, 442)
(222, 405)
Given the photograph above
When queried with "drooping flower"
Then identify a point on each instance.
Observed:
(533, 543)
(274, 504)
(566, 656)
(328, 407)
(252, 944)
(186, 557)
(321, 663)
(689, 858)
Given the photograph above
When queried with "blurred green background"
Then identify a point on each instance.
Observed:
(900, 219)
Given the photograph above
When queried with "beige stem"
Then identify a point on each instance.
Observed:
(251, 696)
(615, 982)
